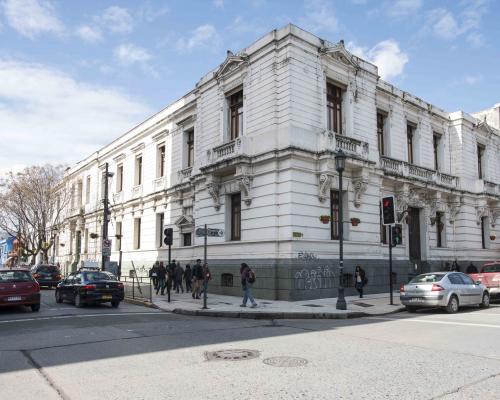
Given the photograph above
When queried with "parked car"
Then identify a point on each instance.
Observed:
(19, 288)
(90, 287)
(449, 290)
(489, 277)
(46, 275)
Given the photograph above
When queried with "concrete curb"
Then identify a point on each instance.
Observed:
(279, 315)
(141, 303)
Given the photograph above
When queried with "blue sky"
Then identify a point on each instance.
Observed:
(76, 74)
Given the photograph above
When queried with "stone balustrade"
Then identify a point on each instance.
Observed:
(491, 188)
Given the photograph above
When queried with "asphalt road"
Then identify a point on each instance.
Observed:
(139, 353)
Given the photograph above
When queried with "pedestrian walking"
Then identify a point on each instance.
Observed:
(162, 274)
(361, 280)
(153, 275)
(247, 280)
(170, 278)
(455, 267)
(206, 277)
(188, 277)
(197, 279)
(179, 273)
(471, 269)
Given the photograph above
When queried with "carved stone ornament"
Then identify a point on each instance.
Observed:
(245, 182)
(214, 191)
(481, 211)
(494, 215)
(359, 187)
(324, 186)
(454, 209)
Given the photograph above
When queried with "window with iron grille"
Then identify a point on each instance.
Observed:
(334, 214)
(236, 114)
(334, 108)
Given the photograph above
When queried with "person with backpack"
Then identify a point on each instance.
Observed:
(197, 279)
(188, 277)
(360, 280)
(247, 280)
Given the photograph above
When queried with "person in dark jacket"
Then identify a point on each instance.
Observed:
(246, 285)
(197, 279)
(471, 269)
(153, 274)
(188, 277)
(179, 272)
(455, 267)
(162, 274)
(360, 280)
(170, 278)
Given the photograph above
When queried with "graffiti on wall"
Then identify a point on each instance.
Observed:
(313, 278)
(306, 255)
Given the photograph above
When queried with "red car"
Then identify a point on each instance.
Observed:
(19, 288)
(489, 277)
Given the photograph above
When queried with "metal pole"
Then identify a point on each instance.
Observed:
(105, 218)
(390, 264)
(204, 263)
(341, 304)
(120, 265)
(169, 253)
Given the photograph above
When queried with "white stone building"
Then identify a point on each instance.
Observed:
(250, 150)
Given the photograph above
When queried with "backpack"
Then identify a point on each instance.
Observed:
(251, 276)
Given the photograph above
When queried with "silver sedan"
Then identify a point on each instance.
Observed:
(450, 290)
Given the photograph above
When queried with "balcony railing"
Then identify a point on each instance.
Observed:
(137, 191)
(184, 173)
(227, 150)
(159, 184)
(491, 188)
(404, 169)
(348, 145)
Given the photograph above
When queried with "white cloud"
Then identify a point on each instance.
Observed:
(89, 33)
(129, 54)
(242, 25)
(203, 36)
(116, 19)
(473, 79)
(475, 39)
(148, 13)
(218, 3)
(319, 16)
(32, 17)
(48, 116)
(386, 55)
(403, 8)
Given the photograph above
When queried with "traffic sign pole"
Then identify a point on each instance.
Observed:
(205, 279)
(390, 265)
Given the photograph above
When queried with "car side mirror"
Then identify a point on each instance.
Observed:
(478, 282)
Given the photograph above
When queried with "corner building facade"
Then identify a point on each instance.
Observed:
(251, 151)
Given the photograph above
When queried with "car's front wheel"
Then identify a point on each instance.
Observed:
(58, 297)
(411, 309)
(486, 300)
(78, 300)
(452, 306)
(35, 307)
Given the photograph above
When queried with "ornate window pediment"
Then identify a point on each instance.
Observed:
(184, 221)
(340, 53)
(231, 63)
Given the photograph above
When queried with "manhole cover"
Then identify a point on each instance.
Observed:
(231, 355)
(358, 303)
(311, 305)
(285, 361)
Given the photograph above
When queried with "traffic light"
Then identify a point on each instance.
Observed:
(397, 235)
(168, 236)
(388, 210)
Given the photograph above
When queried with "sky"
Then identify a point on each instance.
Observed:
(76, 74)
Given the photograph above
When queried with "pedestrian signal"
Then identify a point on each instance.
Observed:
(168, 236)
(388, 210)
(397, 235)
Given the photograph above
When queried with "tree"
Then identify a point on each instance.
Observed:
(31, 207)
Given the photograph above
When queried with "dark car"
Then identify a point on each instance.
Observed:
(90, 287)
(47, 275)
(19, 288)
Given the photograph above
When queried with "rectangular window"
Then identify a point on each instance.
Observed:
(137, 233)
(236, 114)
(138, 171)
(380, 133)
(87, 190)
(236, 216)
(334, 214)
(118, 236)
(190, 147)
(410, 130)
(80, 193)
(483, 232)
(119, 178)
(186, 239)
(436, 139)
(439, 229)
(480, 152)
(160, 221)
(334, 108)
(161, 162)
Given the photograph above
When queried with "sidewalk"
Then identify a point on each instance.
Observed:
(229, 307)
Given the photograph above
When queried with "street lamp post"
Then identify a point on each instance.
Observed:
(107, 175)
(340, 166)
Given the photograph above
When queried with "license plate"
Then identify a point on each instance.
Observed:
(416, 300)
(107, 297)
(14, 298)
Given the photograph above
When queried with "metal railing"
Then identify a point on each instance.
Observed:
(138, 288)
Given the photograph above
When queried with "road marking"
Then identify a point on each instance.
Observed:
(80, 316)
(435, 322)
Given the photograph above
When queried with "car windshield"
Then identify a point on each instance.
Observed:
(424, 278)
(15, 276)
(492, 268)
(98, 276)
(47, 268)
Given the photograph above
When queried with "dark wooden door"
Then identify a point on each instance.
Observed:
(414, 233)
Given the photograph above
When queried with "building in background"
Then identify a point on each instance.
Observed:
(6, 249)
(250, 150)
